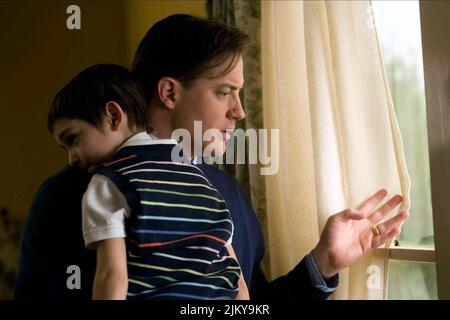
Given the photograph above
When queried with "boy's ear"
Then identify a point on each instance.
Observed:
(114, 115)
(169, 90)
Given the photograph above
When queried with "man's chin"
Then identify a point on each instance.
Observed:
(215, 149)
(207, 150)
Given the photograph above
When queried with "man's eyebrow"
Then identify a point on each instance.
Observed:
(232, 86)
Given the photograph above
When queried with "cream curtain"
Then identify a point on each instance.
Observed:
(324, 87)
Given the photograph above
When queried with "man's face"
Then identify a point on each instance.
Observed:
(214, 102)
(86, 145)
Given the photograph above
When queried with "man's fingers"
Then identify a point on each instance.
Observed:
(371, 203)
(383, 238)
(393, 223)
(385, 209)
(353, 214)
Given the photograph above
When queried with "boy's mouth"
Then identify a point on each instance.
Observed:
(88, 167)
(91, 168)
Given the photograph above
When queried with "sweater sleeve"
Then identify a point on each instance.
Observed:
(295, 286)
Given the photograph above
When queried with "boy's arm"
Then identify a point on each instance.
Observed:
(111, 276)
(104, 211)
(243, 290)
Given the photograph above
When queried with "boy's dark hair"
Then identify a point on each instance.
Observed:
(86, 95)
(185, 48)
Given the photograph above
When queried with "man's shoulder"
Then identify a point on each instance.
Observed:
(66, 180)
(60, 193)
(215, 173)
(227, 185)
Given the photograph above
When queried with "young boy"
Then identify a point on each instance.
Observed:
(161, 230)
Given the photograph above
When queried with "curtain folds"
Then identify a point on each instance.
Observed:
(324, 87)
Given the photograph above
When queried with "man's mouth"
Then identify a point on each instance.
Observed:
(226, 134)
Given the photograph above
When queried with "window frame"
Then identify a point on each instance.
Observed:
(435, 23)
(411, 254)
(435, 26)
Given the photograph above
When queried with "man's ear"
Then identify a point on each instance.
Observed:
(114, 115)
(169, 90)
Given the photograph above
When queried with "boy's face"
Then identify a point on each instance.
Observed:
(87, 146)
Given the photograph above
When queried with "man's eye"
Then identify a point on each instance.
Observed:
(224, 93)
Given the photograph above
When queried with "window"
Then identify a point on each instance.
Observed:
(412, 271)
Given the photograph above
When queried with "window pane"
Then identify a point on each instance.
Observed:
(412, 281)
(398, 28)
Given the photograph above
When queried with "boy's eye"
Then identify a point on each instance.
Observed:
(70, 139)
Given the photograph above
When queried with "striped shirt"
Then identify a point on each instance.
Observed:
(178, 227)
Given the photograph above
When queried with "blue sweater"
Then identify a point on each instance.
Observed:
(178, 228)
(43, 274)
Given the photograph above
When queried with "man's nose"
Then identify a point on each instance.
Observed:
(237, 111)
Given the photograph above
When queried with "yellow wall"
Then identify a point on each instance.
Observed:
(38, 56)
(140, 14)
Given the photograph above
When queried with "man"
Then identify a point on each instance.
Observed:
(192, 70)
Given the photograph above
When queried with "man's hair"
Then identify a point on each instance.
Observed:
(86, 95)
(186, 48)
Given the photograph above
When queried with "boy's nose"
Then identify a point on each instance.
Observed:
(73, 159)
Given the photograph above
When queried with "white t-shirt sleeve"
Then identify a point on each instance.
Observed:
(230, 240)
(104, 209)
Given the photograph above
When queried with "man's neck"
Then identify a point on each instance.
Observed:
(161, 125)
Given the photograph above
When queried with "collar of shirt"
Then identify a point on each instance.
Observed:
(195, 160)
(143, 138)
